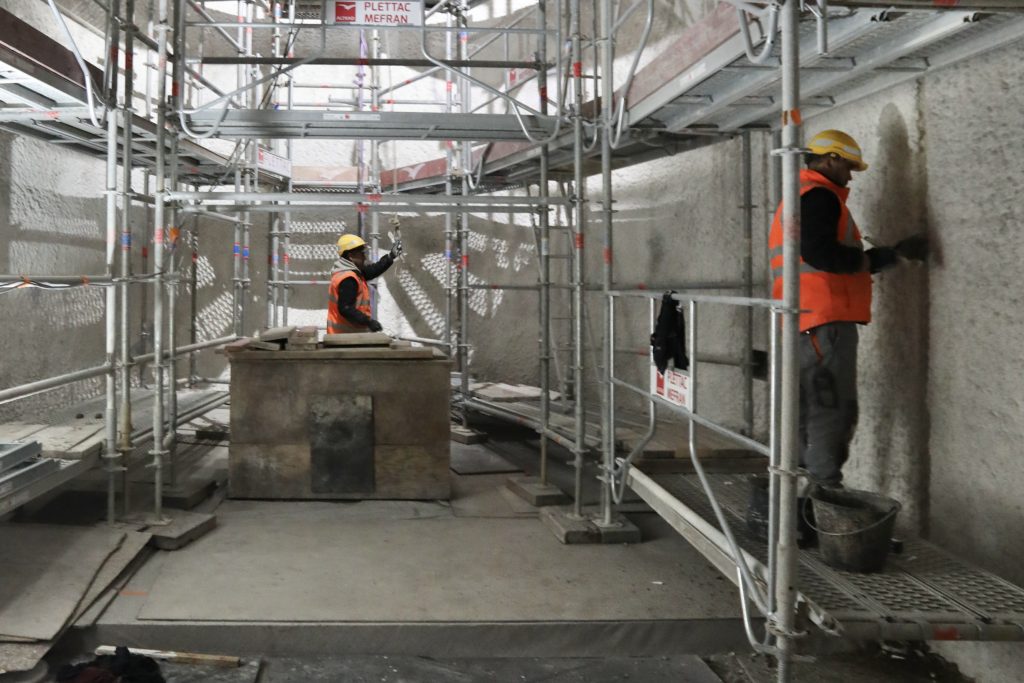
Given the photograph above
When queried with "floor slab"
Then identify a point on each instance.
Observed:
(334, 568)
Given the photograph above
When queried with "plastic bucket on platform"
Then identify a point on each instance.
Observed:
(854, 527)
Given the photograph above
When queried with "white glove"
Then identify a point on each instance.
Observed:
(396, 249)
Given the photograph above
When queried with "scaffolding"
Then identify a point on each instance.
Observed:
(722, 83)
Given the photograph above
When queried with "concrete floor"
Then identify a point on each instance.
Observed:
(472, 589)
(482, 567)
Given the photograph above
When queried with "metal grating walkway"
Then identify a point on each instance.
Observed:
(924, 593)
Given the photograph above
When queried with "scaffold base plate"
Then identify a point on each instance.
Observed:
(572, 530)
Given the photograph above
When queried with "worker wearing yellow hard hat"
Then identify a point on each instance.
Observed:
(348, 298)
(835, 297)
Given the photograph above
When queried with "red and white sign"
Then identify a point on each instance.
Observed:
(377, 12)
(272, 163)
(673, 386)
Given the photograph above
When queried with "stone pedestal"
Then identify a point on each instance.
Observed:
(347, 423)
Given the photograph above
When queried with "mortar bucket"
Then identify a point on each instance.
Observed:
(854, 528)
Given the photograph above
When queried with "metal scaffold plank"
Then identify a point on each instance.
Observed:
(924, 593)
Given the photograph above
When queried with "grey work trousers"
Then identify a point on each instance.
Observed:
(828, 399)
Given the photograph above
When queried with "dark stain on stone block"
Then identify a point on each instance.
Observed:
(341, 444)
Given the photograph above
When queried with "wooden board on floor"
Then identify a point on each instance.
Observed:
(70, 442)
(18, 431)
(47, 571)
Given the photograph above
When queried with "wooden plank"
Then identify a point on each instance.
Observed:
(18, 431)
(62, 439)
(276, 333)
(88, 447)
(357, 339)
(357, 353)
(236, 346)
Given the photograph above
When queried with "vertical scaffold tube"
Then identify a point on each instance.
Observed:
(252, 172)
(578, 193)
(465, 94)
(449, 217)
(374, 165)
(545, 251)
(170, 438)
(286, 256)
(786, 577)
(748, 280)
(273, 238)
(158, 261)
(607, 390)
(110, 341)
(193, 326)
(125, 414)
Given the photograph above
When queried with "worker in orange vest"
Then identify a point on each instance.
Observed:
(835, 296)
(348, 298)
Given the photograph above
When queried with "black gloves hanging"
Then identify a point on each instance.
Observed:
(669, 337)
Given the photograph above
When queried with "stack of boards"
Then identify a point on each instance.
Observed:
(305, 339)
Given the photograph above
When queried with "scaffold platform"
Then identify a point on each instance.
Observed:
(924, 593)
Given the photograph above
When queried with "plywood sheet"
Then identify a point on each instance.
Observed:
(61, 441)
(19, 431)
(47, 571)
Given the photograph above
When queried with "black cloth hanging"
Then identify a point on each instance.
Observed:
(669, 337)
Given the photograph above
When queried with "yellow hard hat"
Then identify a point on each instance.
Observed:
(839, 143)
(348, 242)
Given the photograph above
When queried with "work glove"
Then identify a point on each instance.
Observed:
(914, 248)
(882, 258)
(396, 249)
(374, 326)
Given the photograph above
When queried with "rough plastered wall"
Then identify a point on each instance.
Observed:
(940, 389)
(975, 392)
(678, 224)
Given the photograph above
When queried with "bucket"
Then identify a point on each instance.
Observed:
(758, 502)
(854, 528)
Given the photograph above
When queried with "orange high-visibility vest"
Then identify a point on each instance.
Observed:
(824, 297)
(336, 322)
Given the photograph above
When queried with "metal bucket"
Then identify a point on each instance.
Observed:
(854, 528)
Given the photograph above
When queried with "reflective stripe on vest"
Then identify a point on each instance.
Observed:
(824, 297)
(336, 322)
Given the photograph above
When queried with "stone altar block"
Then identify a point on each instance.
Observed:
(345, 423)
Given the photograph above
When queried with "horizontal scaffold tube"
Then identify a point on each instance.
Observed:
(286, 199)
(146, 358)
(52, 383)
(740, 439)
(775, 304)
(359, 61)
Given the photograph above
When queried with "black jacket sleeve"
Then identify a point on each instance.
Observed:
(348, 291)
(379, 268)
(819, 246)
